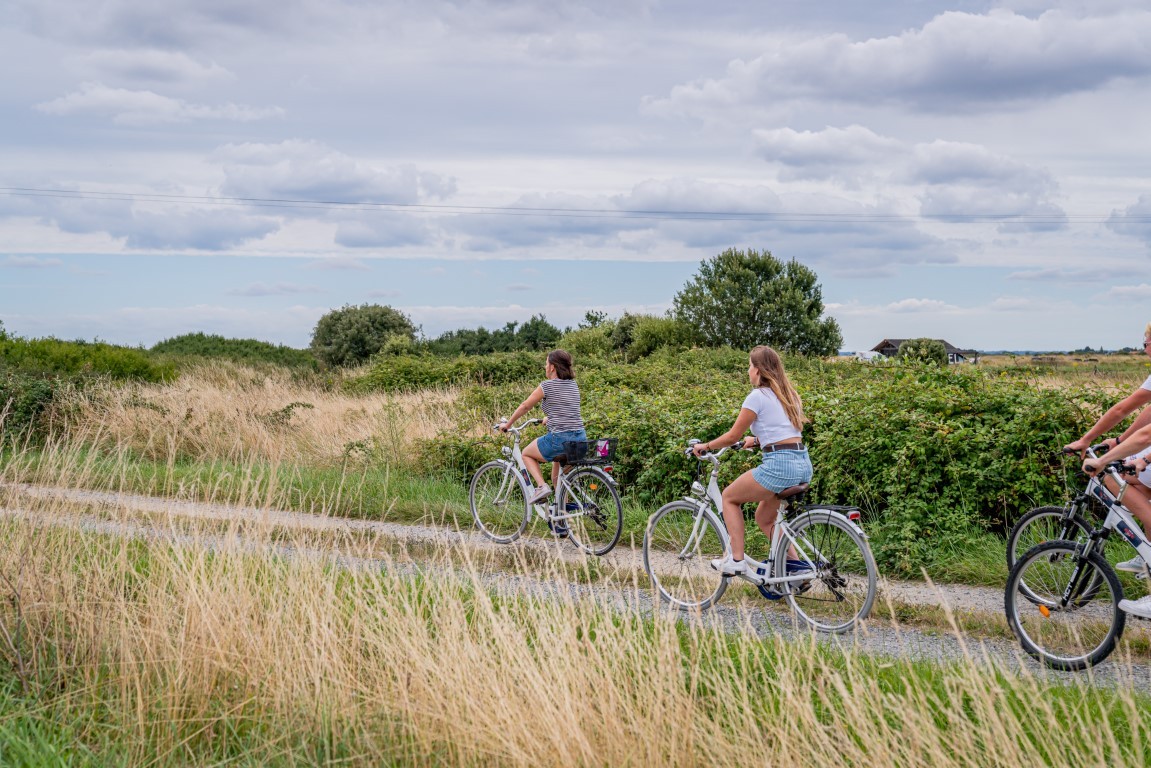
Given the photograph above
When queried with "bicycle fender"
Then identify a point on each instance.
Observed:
(838, 511)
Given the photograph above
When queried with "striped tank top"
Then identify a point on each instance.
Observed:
(561, 405)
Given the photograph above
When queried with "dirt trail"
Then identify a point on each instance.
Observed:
(162, 517)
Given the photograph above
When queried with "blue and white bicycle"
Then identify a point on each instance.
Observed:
(1062, 596)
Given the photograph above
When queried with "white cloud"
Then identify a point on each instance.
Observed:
(152, 66)
(1127, 293)
(30, 262)
(273, 289)
(1135, 221)
(309, 170)
(1059, 274)
(920, 305)
(954, 63)
(339, 263)
(128, 107)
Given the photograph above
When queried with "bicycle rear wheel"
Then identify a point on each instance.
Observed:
(1073, 635)
(678, 546)
(844, 575)
(591, 499)
(499, 501)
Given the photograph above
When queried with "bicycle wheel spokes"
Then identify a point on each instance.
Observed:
(842, 588)
(596, 515)
(1071, 635)
(498, 502)
(678, 548)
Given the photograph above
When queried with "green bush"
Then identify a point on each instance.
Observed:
(935, 457)
(589, 342)
(392, 373)
(239, 350)
(651, 333)
(923, 350)
(24, 400)
(52, 356)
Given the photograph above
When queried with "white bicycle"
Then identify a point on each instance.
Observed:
(587, 508)
(830, 584)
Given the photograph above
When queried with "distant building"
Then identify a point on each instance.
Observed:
(889, 347)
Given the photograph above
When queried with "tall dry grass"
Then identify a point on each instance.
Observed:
(210, 648)
(225, 411)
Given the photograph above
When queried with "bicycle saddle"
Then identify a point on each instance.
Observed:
(794, 490)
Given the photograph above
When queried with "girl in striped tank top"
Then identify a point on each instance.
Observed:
(559, 395)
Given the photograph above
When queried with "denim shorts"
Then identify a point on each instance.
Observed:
(782, 469)
(551, 445)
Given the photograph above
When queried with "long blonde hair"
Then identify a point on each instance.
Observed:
(769, 366)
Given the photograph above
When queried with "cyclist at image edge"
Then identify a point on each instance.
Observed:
(1138, 498)
(560, 398)
(774, 414)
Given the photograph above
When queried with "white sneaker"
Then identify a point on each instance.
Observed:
(1140, 607)
(1135, 565)
(541, 493)
(729, 567)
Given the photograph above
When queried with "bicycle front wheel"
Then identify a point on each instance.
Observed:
(1074, 635)
(844, 575)
(678, 546)
(1039, 526)
(499, 502)
(593, 513)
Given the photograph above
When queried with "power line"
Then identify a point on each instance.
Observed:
(794, 217)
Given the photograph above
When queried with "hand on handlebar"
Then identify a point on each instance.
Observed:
(502, 425)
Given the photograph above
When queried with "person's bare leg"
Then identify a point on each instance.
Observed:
(532, 459)
(743, 490)
(765, 516)
(1136, 500)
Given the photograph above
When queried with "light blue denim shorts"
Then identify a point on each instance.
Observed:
(551, 445)
(782, 469)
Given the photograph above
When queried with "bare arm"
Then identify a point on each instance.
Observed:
(739, 429)
(1131, 444)
(1114, 415)
(531, 402)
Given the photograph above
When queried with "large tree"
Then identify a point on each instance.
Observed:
(350, 335)
(745, 298)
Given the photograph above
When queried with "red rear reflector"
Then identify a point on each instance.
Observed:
(608, 468)
(853, 515)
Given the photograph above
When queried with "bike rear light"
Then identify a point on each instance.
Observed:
(608, 468)
(854, 515)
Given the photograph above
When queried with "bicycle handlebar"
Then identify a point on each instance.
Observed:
(516, 430)
(711, 455)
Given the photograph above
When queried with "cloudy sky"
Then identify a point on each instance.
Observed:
(968, 170)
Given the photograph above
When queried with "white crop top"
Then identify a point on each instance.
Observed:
(771, 424)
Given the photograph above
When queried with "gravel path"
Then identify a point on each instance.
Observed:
(876, 637)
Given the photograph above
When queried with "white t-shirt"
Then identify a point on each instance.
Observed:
(771, 424)
(1146, 384)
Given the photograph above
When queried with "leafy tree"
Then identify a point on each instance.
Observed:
(592, 319)
(923, 350)
(745, 298)
(352, 334)
(537, 333)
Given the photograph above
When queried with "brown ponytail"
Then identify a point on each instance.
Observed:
(769, 366)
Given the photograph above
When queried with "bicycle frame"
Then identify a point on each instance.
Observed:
(709, 501)
(1119, 518)
(514, 458)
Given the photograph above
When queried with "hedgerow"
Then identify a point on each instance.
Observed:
(239, 350)
(933, 456)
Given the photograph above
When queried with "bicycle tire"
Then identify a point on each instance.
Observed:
(682, 574)
(1067, 638)
(845, 577)
(1043, 524)
(498, 497)
(593, 493)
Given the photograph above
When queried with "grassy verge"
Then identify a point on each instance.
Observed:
(147, 653)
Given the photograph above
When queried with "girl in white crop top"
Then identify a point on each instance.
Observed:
(774, 414)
